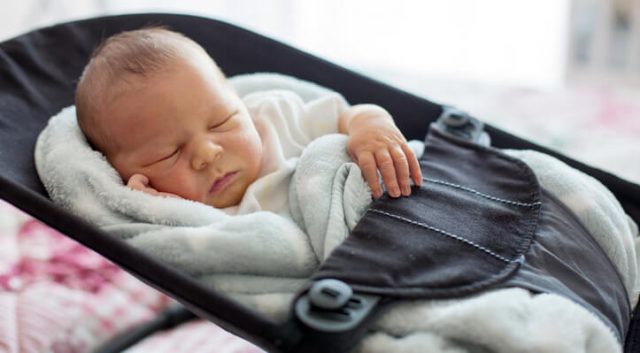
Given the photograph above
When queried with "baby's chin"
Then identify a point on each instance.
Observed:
(223, 204)
(230, 198)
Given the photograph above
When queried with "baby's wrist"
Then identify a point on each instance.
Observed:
(366, 115)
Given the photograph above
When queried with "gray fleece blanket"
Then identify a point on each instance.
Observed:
(261, 259)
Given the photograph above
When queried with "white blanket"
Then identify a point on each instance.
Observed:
(261, 259)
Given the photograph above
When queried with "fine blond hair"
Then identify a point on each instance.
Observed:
(115, 64)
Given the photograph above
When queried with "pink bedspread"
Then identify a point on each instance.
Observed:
(57, 296)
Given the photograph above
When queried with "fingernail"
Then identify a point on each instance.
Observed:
(406, 191)
(395, 193)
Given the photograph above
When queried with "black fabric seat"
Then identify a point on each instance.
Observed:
(38, 73)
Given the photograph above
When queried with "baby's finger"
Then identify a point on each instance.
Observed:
(138, 182)
(414, 165)
(368, 166)
(402, 169)
(388, 172)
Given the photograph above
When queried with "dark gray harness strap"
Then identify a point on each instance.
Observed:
(480, 221)
(466, 228)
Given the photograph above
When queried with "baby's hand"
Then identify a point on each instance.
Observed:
(376, 143)
(141, 182)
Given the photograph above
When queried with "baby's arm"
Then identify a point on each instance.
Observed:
(376, 143)
(141, 182)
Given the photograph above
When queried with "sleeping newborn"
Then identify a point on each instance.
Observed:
(161, 111)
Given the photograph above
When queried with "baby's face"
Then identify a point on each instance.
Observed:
(188, 132)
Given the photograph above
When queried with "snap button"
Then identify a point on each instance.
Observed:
(457, 123)
(455, 118)
(330, 294)
(331, 305)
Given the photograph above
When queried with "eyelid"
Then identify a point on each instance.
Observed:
(163, 158)
(224, 120)
(172, 154)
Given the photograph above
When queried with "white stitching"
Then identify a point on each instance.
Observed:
(457, 186)
(451, 235)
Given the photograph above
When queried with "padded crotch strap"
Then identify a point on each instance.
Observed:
(479, 221)
(466, 228)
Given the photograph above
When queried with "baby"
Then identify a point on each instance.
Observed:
(162, 112)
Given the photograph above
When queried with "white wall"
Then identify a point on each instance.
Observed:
(520, 42)
(505, 41)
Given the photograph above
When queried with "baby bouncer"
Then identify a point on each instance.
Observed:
(361, 278)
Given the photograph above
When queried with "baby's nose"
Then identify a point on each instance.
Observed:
(205, 153)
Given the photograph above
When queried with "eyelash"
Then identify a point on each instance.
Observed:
(224, 121)
(169, 156)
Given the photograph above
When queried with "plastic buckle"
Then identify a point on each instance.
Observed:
(459, 124)
(331, 306)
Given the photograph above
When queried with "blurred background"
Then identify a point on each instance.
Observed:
(542, 43)
(563, 73)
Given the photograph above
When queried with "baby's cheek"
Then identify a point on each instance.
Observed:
(180, 185)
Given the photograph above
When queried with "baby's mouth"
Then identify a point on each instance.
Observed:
(222, 182)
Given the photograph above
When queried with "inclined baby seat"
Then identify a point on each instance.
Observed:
(39, 72)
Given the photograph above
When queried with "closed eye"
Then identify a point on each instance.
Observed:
(228, 118)
(165, 158)
(174, 153)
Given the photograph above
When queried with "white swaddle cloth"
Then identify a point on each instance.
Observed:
(261, 259)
